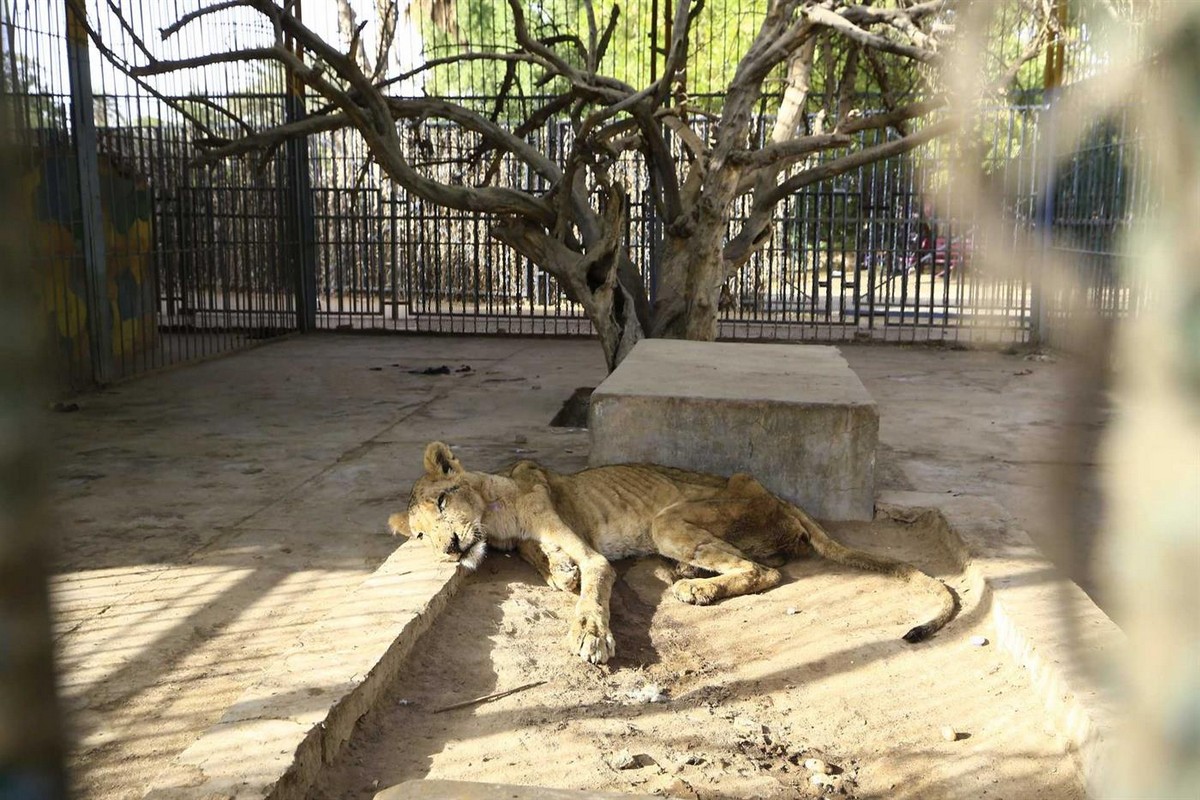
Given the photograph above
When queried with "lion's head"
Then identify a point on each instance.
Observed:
(445, 511)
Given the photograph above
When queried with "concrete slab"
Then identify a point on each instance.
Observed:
(794, 416)
(275, 738)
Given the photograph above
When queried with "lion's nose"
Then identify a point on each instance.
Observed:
(453, 547)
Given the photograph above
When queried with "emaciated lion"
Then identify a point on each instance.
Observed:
(728, 534)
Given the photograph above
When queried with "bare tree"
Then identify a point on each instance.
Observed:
(574, 226)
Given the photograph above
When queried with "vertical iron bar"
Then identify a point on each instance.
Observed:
(300, 200)
(392, 206)
(83, 129)
(1038, 312)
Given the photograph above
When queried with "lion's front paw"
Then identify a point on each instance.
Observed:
(698, 592)
(590, 638)
(564, 576)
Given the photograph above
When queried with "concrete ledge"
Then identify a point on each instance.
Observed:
(276, 738)
(1046, 623)
(794, 416)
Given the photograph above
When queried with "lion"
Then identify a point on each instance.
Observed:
(727, 535)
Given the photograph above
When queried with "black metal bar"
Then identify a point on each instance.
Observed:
(1038, 311)
(83, 129)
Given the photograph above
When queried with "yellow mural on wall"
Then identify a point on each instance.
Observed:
(52, 189)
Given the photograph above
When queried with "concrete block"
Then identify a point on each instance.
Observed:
(794, 416)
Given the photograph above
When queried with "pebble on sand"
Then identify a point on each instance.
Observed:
(818, 766)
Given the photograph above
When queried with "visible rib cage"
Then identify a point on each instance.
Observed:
(627, 501)
(726, 534)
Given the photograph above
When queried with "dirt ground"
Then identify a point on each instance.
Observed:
(753, 686)
(209, 513)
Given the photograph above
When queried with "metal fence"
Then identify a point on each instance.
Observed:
(146, 260)
(1096, 198)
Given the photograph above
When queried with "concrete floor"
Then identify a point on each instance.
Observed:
(209, 513)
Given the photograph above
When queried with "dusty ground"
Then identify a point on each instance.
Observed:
(1008, 426)
(208, 513)
(751, 693)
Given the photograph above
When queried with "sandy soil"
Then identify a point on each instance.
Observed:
(751, 692)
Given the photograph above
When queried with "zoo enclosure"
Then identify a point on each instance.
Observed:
(146, 260)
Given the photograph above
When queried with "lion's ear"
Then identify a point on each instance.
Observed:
(440, 461)
(398, 525)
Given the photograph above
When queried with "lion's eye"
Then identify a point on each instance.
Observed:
(442, 501)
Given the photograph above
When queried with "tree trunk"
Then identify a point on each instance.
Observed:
(689, 290)
(599, 280)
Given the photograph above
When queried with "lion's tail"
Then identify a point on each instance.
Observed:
(826, 547)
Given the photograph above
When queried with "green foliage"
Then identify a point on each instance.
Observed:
(720, 37)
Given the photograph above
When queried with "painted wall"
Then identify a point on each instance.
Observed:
(52, 188)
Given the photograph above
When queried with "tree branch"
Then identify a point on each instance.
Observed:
(387, 12)
(351, 30)
(894, 118)
(125, 67)
(229, 57)
(779, 154)
(839, 22)
(839, 166)
(192, 16)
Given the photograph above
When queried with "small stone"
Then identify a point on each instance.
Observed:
(979, 641)
(650, 693)
(791, 612)
(823, 780)
(818, 766)
(949, 734)
(623, 760)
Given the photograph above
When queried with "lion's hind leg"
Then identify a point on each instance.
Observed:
(679, 534)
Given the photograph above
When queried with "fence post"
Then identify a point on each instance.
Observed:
(1039, 322)
(301, 224)
(87, 167)
(1052, 78)
(300, 219)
